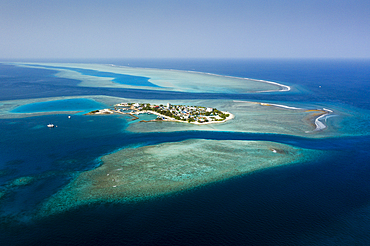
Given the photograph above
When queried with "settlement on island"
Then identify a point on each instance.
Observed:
(179, 113)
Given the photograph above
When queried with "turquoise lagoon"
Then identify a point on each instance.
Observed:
(160, 79)
(119, 78)
(76, 104)
(55, 186)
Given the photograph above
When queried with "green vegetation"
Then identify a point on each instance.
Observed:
(181, 112)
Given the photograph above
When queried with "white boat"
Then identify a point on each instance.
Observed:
(50, 125)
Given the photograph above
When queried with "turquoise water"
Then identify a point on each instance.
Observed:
(323, 202)
(79, 104)
(117, 78)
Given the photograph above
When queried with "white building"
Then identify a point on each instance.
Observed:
(209, 109)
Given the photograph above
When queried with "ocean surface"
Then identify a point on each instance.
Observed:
(321, 202)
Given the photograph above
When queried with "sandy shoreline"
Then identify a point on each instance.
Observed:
(247, 116)
(314, 119)
(166, 118)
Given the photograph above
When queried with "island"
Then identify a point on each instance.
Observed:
(179, 113)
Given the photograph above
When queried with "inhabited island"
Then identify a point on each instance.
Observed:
(179, 113)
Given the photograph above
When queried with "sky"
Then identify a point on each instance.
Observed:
(184, 29)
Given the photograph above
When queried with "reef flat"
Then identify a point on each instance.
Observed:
(140, 173)
(255, 117)
(248, 116)
(162, 79)
(132, 174)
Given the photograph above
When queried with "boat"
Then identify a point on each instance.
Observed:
(50, 125)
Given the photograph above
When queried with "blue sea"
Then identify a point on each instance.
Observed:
(321, 202)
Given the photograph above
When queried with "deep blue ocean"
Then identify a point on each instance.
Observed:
(322, 202)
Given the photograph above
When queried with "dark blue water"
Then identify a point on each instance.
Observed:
(324, 202)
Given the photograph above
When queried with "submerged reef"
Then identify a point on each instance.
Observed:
(161, 79)
(132, 174)
(253, 117)
(150, 171)
(14, 184)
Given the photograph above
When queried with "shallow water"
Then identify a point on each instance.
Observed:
(79, 104)
(116, 77)
(323, 200)
(164, 79)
